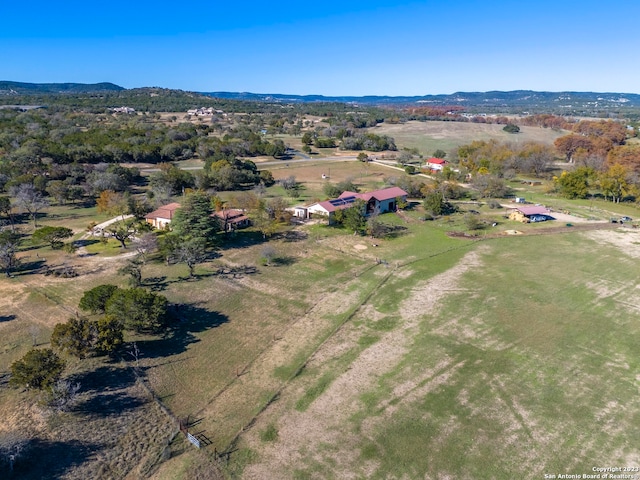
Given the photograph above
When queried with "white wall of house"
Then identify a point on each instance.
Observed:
(317, 210)
(160, 223)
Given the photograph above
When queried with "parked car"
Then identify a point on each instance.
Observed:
(626, 219)
(538, 218)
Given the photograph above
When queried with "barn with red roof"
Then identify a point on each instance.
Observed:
(435, 164)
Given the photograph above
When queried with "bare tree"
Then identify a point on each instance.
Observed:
(30, 200)
(34, 331)
(191, 252)
(133, 268)
(12, 447)
(289, 183)
(162, 193)
(9, 242)
(134, 352)
(145, 245)
(64, 395)
(5, 208)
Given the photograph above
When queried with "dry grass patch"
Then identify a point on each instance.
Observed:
(313, 430)
(430, 136)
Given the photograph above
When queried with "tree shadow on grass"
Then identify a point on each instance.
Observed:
(83, 242)
(50, 459)
(103, 391)
(283, 261)
(106, 404)
(26, 268)
(157, 284)
(243, 239)
(106, 378)
(293, 236)
(396, 231)
(189, 320)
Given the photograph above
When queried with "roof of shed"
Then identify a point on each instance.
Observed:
(536, 210)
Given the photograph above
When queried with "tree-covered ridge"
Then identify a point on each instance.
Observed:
(98, 97)
(17, 88)
(152, 100)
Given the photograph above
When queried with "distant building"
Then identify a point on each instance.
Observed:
(435, 164)
(124, 110)
(202, 112)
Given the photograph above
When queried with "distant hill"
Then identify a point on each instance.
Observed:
(570, 102)
(162, 99)
(20, 88)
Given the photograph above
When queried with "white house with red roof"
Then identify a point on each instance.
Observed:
(378, 201)
(435, 164)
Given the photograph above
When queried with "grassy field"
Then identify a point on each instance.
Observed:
(507, 358)
(415, 356)
(428, 137)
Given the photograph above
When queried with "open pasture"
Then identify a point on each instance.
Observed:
(428, 137)
(367, 176)
(508, 358)
(417, 356)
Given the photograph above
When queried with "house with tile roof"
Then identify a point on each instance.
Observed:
(232, 219)
(162, 217)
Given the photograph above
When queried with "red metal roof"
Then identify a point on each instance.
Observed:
(437, 161)
(347, 193)
(537, 210)
(379, 195)
(385, 194)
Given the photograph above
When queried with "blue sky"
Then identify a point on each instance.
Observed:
(348, 47)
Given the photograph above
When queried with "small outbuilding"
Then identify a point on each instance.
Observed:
(529, 214)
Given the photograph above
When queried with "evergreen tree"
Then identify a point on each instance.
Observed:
(39, 368)
(194, 218)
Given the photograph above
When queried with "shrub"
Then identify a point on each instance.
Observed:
(94, 300)
(39, 368)
(270, 434)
